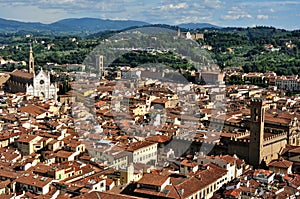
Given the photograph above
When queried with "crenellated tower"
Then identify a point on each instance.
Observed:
(257, 107)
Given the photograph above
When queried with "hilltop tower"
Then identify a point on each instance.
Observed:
(31, 61)
(256, 131)
(178, 32)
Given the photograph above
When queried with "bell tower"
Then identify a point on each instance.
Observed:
(100, 66)
(257, 107)
(31, 61)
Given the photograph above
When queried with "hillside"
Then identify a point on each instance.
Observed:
(93, 24)
(69, 26)
(85, 26)
(198, 26)
(258, 49)
(12, 25)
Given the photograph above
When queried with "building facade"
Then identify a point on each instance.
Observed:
(28, 82)
(42, 86)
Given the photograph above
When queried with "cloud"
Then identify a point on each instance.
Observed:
(227, 12)
(286, 2)
(176, 11)
(262, 17)
(195, 19)
(35, 14)
(236, 13)
(269, 3)
(174, 7)
(214, 4)
(236, 17)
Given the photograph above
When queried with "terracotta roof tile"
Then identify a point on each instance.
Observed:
(33, 180)
(138, 145)
(22, 74)
(281, 163)
(104, 195)
(159, 138)
(153, 179)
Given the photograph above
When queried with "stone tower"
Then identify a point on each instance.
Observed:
(31, 61)
(100, 66)
(256, 132)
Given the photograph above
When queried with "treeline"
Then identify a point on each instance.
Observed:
(231, 47)
(170, 59)
(246, 47)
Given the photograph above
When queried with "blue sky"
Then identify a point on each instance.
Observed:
(278, 13)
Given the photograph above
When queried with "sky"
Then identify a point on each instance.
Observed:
(225, 13)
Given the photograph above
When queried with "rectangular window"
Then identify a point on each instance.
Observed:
(255, 115)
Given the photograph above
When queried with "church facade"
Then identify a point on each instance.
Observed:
(38, 85)
(41, 86)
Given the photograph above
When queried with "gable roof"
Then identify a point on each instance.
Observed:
(104, 195)
(153, 179)
(281, 163)
(21, 74)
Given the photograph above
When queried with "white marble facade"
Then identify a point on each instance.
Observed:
(42, 86)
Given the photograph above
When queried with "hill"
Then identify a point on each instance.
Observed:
(93, 24)
(12, 25)
(198, 26)
(69, 26)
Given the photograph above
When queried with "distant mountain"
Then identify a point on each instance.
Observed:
(88, 25)
(12, 25)
(93, 24)
(198, 25)
(85, 26)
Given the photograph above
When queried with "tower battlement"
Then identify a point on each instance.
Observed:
(257, 102)
(275, 137)
(257, 107)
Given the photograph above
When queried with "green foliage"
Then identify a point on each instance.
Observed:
(169, 59)
(231, 47)
(245, 47)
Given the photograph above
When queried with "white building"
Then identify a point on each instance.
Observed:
(42, 86)
(36, 184)
(30, 83)
(233, 165)
(143, 152)
(291, 83)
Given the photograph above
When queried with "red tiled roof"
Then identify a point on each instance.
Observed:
(262, 171)
(281, 163)
(138, 145)
(235, 193)
(295, 150)
(293, 179)
(188, 163)
(104, 195)
(27, 138)
(19, 73)
(33, 180)
(153, 179)
(63, 154)
(32, 109)
(159, 138)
